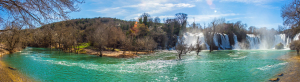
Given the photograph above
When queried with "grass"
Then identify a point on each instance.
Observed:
(83, 45)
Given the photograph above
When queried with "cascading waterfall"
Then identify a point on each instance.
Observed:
(236, 45)
(281, 38)
(216, 40)
(225, 41)
(252, 41)
(296, 37)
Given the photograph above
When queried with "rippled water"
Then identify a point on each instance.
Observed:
(228, 65)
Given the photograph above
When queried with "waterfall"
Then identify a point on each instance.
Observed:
(215, 39)
(280, 38)
(296, 37)
(225, 41)
(236, 43)
(254, 41)
(251, 42)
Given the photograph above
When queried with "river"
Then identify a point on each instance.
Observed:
(43, 64)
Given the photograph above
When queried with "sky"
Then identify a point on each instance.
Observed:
(258, 13)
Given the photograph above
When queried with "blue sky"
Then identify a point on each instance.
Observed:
(259, 13)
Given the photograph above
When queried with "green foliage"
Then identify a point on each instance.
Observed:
(83, 45)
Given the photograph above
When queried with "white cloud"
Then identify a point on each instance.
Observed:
(154, 8)
(106, 10)
(208, 18)
(202, 18)
(247, 1)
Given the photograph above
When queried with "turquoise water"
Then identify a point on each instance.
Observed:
(43, 64)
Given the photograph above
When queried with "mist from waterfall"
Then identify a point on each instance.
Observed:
(191, 38)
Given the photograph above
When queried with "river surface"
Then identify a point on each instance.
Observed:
(43, 64)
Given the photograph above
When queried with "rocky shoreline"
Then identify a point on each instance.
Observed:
(116, 54)
(9, 74)
(291, 73)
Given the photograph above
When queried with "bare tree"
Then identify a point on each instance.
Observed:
(182, 20)
(12, 38)
(99, 38)
(291, 14)
(181, 47)
(212, 34)
(280, 29)
(295, 45)
(198, 46)
(37, 12)
(127, 44)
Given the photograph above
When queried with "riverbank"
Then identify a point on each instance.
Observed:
(2, 50)
(115, 54)
(9, 75)
(291, 72)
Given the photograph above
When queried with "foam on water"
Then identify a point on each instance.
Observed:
(243, 57)
(268, 67)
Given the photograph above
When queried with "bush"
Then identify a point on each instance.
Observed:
(279, 46)
(295, 45)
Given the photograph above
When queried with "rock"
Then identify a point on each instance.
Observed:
(12, 68)
(280, 74)
(274, 79)
(279, 46)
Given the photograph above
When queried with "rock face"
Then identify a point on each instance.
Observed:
(274, 79)
(279, 46)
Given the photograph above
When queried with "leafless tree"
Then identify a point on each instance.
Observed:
(37, 12)
(181, 47)
(99, 38)
(115, 35)
(12, 38)
(198, 46)
(291, 14)
(295, 45)
(212, 34)
(127, 44)
(182, 20)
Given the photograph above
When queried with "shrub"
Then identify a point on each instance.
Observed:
(279, 46)
(295, 45)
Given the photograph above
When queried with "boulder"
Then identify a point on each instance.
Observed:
(12, 68)
(274, 79)
(279, 46)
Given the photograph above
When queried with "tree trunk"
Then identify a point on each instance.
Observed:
(180, 54)
(136, 52)
(211, 42)
(100, 52)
